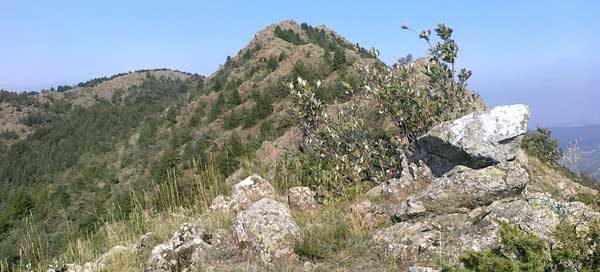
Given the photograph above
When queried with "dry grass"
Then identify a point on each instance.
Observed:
(335, 239)
(546, 179)
(160, 210)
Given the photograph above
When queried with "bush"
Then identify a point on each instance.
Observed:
(520, 251)
(416, 104)
(540, 144)
(341, 149)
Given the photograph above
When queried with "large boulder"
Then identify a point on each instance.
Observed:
(215, 257)
(421, 240)
(266, 229)
(463, 189)
(479, 139)
(418, 242)
(243, 194)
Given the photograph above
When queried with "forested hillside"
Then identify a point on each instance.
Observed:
(65, 174)
(73, 156)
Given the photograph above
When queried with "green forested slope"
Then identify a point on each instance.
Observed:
(81, 162)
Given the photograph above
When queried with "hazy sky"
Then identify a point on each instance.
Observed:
(543, 53)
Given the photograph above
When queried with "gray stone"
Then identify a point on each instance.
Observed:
(176, 253)
(464, 188)
(243, 194)
(301, 198)
(450, 235)
(267, 230)
(371, 214)
(479, 139)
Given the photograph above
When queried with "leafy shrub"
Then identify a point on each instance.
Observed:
(540, 144)
(20, 204)
(341, 149)
(520, 251)
(414, 105)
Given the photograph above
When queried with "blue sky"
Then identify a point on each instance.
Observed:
(542, 53)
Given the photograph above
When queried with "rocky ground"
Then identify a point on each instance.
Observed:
(461, 182)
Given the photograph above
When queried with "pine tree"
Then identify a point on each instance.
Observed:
(339, 58)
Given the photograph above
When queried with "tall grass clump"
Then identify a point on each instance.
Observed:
(159, 209)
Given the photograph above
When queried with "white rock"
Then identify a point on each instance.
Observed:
(479, 139)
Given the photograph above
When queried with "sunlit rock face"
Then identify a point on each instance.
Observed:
(479, 139)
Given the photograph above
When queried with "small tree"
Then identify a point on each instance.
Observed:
(415, 103)
(540, 144)
(341, 149)
(339, 58)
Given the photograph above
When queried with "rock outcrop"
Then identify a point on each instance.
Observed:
(262, 229)
(301, 198)
(175, 254)
(266, 230)
(464, 188)
(480, 182)
(243, 194)
(479, 139)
